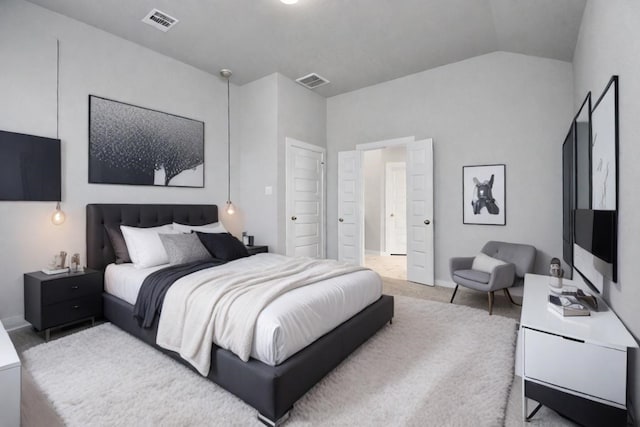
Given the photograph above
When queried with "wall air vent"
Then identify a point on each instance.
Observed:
(312, 81)
(160, 20)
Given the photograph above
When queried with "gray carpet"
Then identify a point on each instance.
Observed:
(37, 410)
(407, 374)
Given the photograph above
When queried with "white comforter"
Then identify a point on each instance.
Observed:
(293, 320)
(224, 304)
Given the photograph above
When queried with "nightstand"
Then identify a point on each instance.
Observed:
(257, 249)
(56, 300)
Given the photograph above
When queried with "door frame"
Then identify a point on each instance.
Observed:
(387, 232)
(290, 143)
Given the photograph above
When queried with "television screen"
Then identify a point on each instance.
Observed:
(29, 167)
(595, 245)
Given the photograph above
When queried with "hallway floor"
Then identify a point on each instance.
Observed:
(392, 266)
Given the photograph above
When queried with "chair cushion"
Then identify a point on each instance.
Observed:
(472, 275)
(483, 262)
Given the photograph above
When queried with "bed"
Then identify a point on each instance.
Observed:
(271, 390)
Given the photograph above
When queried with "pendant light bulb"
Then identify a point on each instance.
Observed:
(58, 216)
(230, 208)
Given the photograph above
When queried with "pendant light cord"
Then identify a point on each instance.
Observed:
(228, 141)
(57, 88)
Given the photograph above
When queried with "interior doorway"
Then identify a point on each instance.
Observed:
(418, 205)
(385, 205)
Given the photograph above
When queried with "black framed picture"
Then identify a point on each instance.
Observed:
(484, 194)
(138, 146)
(604, 149)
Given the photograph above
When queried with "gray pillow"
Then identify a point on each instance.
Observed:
(184, 248)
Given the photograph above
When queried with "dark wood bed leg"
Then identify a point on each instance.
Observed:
(268, 422)
(391, 321)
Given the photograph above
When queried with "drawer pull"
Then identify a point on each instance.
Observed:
(75, 287)
(75, 307)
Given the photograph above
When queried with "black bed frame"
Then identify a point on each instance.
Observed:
(271, 390)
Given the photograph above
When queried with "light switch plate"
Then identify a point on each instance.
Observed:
(268, 190)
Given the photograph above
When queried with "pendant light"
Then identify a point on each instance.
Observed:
(58, 216)
(226, 74)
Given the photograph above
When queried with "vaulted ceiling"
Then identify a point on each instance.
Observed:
(352, 43)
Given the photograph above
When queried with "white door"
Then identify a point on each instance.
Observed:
(350, 214)
(396, 208)
(420, 212)
(305, 199)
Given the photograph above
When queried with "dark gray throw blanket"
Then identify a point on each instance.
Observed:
(156, 285)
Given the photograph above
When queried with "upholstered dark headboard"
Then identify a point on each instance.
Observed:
(99, 250)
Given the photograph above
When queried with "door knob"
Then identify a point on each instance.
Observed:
(391, 215)
(293, 218)
(340, 219)
(427, 222)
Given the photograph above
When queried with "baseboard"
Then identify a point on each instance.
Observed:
(14, 322)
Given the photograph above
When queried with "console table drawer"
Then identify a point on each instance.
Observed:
(587, 368)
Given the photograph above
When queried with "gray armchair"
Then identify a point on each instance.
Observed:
(520, 259)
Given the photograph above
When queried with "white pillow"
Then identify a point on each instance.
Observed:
(214, 227)
(144, 245)
(483, 262)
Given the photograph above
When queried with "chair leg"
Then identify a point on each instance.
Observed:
(508, 295)
(454, 294)
(490, 295)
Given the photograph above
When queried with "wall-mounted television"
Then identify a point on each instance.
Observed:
(29, 168)
(596, 242)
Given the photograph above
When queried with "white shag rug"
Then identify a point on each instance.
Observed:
(436, 365)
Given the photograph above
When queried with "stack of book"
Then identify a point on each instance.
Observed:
(571, 301)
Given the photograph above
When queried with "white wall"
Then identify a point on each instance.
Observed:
(257, 144)
(609, 43)
(273, 108)
(92, 62)
(302, 115)
(497, 108)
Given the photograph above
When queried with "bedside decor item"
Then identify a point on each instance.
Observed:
(75, 263)
(226, 74)
(139, 146)
(484, 194)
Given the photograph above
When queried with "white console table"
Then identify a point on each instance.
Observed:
(574, 365)
(9, 382)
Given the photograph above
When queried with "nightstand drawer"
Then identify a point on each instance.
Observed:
(71, 287)
(72, 310)
(574, 365)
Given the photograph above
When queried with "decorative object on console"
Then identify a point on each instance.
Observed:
(57, 265)
(139, 146)
(75, 263)
(225, 73)
(484, 194)
(556, 271)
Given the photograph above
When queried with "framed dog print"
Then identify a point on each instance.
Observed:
(484, 195)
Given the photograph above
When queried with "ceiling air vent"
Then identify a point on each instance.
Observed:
(312, 81)
(160, 20)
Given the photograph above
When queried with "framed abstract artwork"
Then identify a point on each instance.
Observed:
(484, 195)
(604, 149)
(138, 146)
